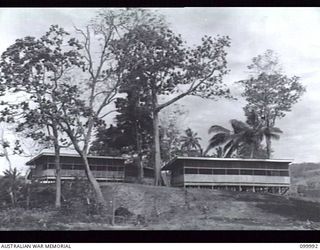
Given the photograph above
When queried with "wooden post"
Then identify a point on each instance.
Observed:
(28, 196)
(113, 211)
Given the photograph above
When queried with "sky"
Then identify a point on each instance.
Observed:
(293, 33)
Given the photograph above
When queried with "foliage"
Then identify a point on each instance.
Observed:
(11, 186)
(157, 58)
(245, 138)
(269, 92)
(190, 143)
(171, 123)
(38, 68)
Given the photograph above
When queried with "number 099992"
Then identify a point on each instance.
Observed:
(309, 246)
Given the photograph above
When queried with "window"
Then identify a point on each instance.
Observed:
(259, 172)
(219, 171)
(275, 173)
(112, 168)
(233, 171)
(50, 166)
(66, 166)
(205, 171)
(284, 173)
(78, 167)
(191, 171)
(246, 172)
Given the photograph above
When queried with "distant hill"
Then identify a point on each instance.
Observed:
(305, 180)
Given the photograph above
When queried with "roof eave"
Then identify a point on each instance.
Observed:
(30, 162)
(168, 165)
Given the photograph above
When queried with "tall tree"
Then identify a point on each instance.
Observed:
(269, 92)
(191, 141)
(164, 66)
(36, 68)
(101, 80)
(132, 132)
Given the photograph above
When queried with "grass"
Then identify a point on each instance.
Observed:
(166, 208)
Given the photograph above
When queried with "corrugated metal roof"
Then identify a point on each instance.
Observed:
(71, 155)
(169, 165)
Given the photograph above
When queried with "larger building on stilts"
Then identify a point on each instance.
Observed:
(257, 175)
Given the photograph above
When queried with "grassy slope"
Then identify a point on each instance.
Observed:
(305, 180)
(177, 209)
(174, 208)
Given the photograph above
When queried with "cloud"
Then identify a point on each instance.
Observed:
(291, 32)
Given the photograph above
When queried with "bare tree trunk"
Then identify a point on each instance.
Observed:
(252, 152)
(268, 144)
(268, 139)
(95, 185)
(58, 176)
(157, 156)
(57, 163)
(5, 151)
(28, 196)
(139, 151)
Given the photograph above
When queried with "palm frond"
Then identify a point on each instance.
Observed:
(218, 129)
(218, 139)
(276, 130)
(238, 126)
(274, 136)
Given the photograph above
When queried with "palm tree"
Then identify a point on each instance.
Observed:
(269, 133)
(244, 139)
(190, 141)
(231, 140)
(11, 182)
(218, 152)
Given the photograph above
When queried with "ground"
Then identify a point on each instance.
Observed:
(305, 181)
(165, 208)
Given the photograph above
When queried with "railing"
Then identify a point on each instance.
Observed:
(81, 173)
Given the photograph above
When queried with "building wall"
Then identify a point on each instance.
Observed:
(72, 167)
(236, 180)
(229, 173)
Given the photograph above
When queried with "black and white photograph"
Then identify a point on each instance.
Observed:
(198, 118)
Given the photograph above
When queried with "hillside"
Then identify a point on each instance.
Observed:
(305, 181)
(199, 209)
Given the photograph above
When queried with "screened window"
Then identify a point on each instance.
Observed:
(205, 171)
(219, 171)
(67, 166)
(78, 167)
(259, 172)
(50, 166)
(112, 168)
(246, 172)
(233, 171)
(275, 173)
(100, 168)
(191, 171)
(284, 173)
